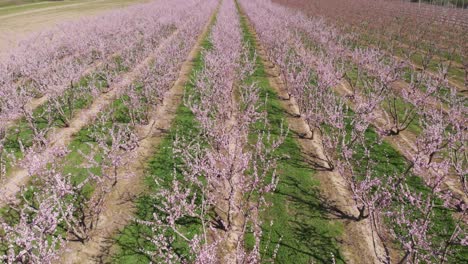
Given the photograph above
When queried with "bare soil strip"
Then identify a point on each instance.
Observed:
(119, 205)
(357, 242)
(61, 137)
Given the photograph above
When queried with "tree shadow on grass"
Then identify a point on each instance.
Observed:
(131, 243)
(314, 200)
(308, 235)
(315, 161)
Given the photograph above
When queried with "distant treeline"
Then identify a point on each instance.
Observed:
(456, 3)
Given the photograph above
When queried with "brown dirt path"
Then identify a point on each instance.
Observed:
(61, 137)
(119, 205)
(357, 243)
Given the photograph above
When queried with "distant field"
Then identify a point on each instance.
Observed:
(457, 3)
(10, 7)
(6, 3)
(13, 7)
(18, 18)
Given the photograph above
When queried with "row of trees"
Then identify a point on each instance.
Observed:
(422, 34)
(227, 169)
(38, 131)
(60, 206)
(447, 3)
(377, 89)
(54, 63)
(311, 76)
(225, 172)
